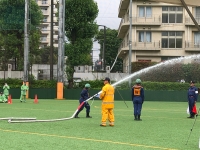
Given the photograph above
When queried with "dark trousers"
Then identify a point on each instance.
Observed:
(86, 105)
(191, 105)
(137, 107)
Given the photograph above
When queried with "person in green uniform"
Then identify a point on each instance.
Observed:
(24, 88)
(3, 98)
(6, 89)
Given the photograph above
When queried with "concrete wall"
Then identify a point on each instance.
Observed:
(42, 71)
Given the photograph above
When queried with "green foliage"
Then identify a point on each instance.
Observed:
(43, 84)
(45, 55)
(166, 86)
(80, 28)
(12, 29)
(160, 86)
(96, 84)
(136, 66)
(171, 73)
(112, 44)
(16, 83)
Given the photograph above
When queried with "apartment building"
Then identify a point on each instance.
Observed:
(160, 31)
(45, 39)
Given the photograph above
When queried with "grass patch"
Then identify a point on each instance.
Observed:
(164, 126)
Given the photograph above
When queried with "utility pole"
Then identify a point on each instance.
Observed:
(104, 48)
(60, 49)
(26, 40)
(51, 43)
(130, 40)
(60, 41)
(63, 48)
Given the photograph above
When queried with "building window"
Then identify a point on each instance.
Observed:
(44, 28)
(196, 38)
(44, 1)
(127, 38)
(44, 10)
(172, 39)
(45, 19)
(145, 11)
(172, 14)
(144, 36)
(127, 16)
(197, 14)
(43, 38)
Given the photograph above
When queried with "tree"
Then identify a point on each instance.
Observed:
(111, 48)
(12, 29)
(45, 55)
(80, 29)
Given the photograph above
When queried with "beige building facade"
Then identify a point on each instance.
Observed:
(160, 31)
(45, 27)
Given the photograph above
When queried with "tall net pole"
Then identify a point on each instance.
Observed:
(130, 40)
(26, 40)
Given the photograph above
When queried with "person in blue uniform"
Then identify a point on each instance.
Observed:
(138, 99)
(192, 96)
(84, 96)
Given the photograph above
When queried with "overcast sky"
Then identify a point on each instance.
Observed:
(108, 16)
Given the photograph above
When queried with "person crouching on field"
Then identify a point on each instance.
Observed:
(84, 96)
(138, 99)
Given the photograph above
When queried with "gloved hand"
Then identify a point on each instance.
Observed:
(97, 95)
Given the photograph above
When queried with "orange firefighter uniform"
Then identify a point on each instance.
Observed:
(107, 97)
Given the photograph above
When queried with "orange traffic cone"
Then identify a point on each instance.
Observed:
(36, 99)
(9, 99)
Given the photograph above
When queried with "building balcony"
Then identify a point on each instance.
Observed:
(45, 12)
(188, 21)
(140, 46)
(43, 3)
(55, 28)
(123, 6)
(45, 31)
(188, 46)
(192, 46)
(155, 20)
(55, 37)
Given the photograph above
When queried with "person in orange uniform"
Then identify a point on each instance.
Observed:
(107, 97)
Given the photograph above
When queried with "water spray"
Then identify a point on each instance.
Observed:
(172, 61)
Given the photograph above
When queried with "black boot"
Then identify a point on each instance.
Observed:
(139, 118)
(135, 117)
(192, 115)
(76, 116)
(87, 115)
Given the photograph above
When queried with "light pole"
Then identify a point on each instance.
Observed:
(26, 41)
(51, 43)
(60, 49)
(130, 40)
(4, 62)
(104, 47)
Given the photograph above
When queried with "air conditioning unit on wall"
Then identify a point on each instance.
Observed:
(107, 69)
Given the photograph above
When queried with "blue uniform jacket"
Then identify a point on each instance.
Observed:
(192, 93)
(84, 95)
(138, 93)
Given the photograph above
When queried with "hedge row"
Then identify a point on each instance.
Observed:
(98, 84)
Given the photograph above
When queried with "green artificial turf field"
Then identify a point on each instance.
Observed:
(164, 126)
